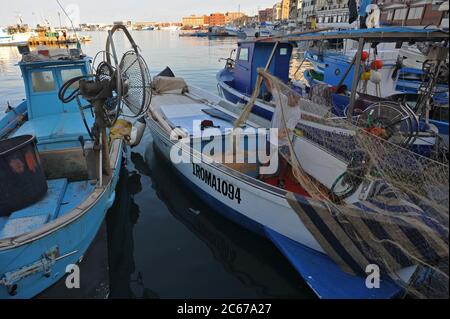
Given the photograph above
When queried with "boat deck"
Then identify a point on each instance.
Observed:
(61, 198)
(56, 131)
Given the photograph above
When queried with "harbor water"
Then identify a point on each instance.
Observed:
(162, 241)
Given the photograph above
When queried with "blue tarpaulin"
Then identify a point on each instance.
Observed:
(362, 7)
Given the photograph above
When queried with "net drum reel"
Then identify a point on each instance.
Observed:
(391, 121)
(112, 84)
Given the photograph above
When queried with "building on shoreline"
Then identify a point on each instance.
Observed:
(266, 15)
(216, 19)
(411, 12)
(277, 12)
(213, 19)
(231, 17)
(195, 21)
(332, 12)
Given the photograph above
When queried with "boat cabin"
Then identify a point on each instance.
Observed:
(58, 128)
(55, 124)
(252, 55)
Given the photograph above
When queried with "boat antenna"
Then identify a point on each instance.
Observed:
(71, 23)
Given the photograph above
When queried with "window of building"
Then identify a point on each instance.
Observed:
(415, 13)
(243, 54)
(390, 15)
(400, 14)
(42, 81)
(283, 51)
(68, 74)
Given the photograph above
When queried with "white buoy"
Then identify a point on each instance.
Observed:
(137, 132)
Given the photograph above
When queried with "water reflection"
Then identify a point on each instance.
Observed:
(251, 259)
(120, 223)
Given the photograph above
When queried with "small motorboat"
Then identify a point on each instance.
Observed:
(61, 151)
(15, 39)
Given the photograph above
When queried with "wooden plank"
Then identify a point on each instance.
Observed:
(356, 78)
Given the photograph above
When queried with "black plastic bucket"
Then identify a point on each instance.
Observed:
(22, 179)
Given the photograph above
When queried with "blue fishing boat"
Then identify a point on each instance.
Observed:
(61, 151)
(237, 80)
(329, 66)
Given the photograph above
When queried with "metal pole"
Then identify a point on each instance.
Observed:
(341, 81)
(356, 77)
(248, 107)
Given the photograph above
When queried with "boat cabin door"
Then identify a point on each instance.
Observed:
(43, 93)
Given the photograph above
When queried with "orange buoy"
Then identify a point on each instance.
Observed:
(376, 65)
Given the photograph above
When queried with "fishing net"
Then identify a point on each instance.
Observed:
(380, 202)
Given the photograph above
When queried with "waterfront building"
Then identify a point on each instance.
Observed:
(285, 9)
(299, 9)
(411, 12)
(231, 17)
(216, 19)
(332, 12)
(126, 23)
(293, 10)
(143, 24)
(307, 9)
(277, 11)
(194, 21)
(266, 15)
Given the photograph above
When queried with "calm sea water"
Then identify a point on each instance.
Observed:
(164, 242)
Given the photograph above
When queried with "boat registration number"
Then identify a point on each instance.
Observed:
(219, 185)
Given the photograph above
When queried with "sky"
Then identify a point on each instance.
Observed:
(107, 11)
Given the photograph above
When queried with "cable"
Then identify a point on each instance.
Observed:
(62, 91)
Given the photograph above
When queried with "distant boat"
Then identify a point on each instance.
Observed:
(217, 32)
(7, 39)
(171, 28)
(149, 28)
(232, 31)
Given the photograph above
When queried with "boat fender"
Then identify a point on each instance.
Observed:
(137, 132)
(375, 77)
(365, 76)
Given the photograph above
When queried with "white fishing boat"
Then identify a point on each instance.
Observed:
(7, 39)
(232, 30)
(190, 129)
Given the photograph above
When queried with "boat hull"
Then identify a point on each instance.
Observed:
(69, 241)
(266, 211)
